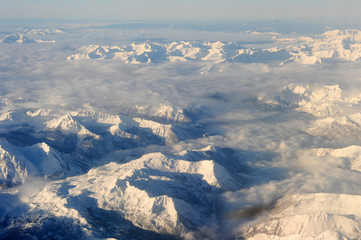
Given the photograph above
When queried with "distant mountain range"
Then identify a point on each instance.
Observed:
(26, 35)
(333, 45)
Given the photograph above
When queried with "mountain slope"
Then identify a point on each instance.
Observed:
(310, 216)
(182, 200)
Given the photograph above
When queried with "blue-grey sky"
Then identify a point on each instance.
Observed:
(336, 11)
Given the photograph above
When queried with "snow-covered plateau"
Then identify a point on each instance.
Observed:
(107, 135)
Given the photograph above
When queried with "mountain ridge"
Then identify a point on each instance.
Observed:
(336, 45)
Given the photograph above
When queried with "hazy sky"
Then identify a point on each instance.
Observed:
(335, 11)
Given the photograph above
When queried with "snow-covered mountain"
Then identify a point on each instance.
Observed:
(310, 216)
(321, 102)
(334, 117)
(149, 194)
(26, 36)
(214, 52)
(22, 38)
(337, 116)
(72, 139)
(95, 149)
(336, 44)
(108, 176)
(181, 200)
(16, 38)
(348, 157)
(21, 164)
(161, 112)
(332, 45)
(42, 31)
(167, 195)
